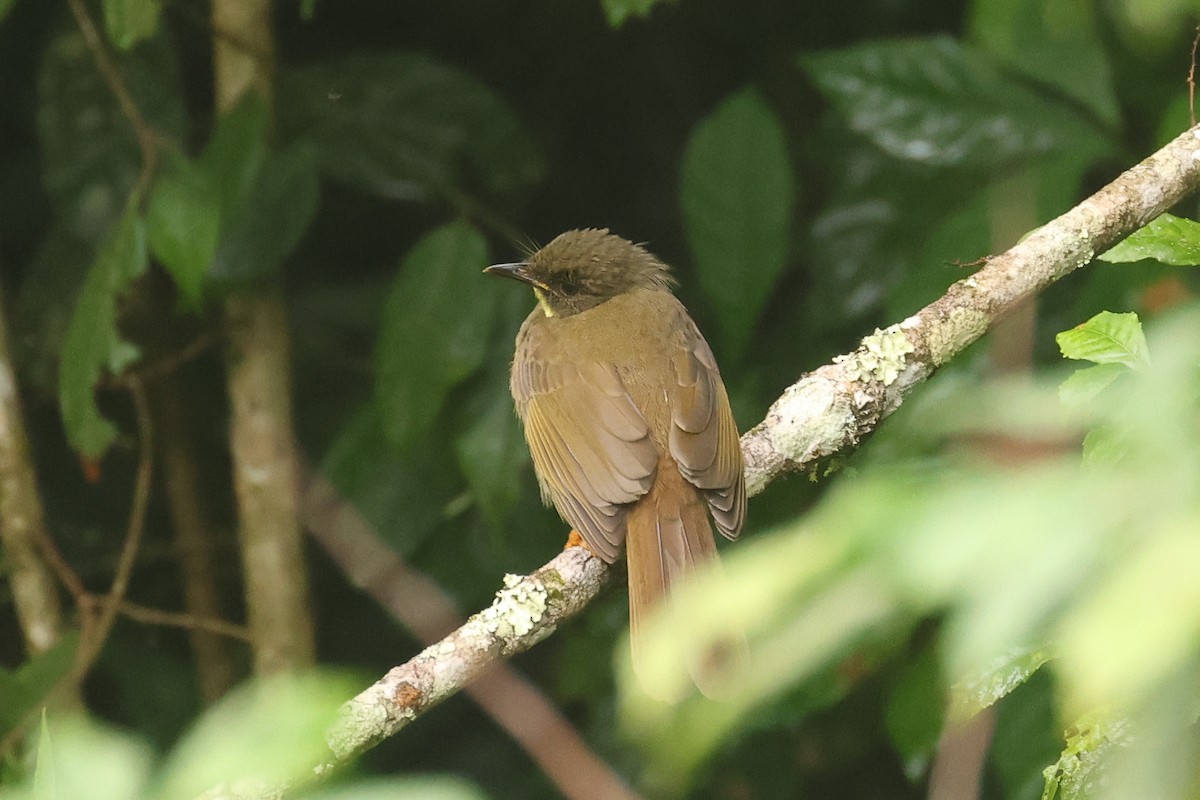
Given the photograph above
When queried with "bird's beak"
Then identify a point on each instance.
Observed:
(518, 270)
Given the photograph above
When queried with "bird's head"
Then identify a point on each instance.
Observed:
(581, 269)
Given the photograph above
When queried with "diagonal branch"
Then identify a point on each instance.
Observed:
(827, 412)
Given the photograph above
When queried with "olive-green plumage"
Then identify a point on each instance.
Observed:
(626, 417)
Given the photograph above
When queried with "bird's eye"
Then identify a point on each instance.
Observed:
(569, 288)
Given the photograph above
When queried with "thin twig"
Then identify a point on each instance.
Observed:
(90, 648)
(148, 138)
(174, 619)
(1192, 80)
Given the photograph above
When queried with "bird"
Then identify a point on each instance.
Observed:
(627, 419)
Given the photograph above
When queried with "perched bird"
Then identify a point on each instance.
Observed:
(624, 411)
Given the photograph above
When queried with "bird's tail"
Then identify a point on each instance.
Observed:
(668, 536)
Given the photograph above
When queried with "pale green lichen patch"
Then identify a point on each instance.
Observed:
(881, 356)
(517, 609)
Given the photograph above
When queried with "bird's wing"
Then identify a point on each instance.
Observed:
(590, 443)
(704, 438)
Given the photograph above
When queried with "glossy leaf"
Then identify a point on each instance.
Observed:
(936, 102)
(435, 328)
(1107, 338)
(1167, 238)
(270, 220)
(406, 126)
(995, 681)
(130, 21)
(737, 194)
(183, 224)
(90, 157)
(94, 345)
(1056, 42)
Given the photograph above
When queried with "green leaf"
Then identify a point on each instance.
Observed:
(737, 194)
(1028, 736)
(915, 711)
(30, 686)
(233, 156)
(406, 126)
(1080, 769)
(270, 221)
(936, 102)
(89, 155)
(1085, 384)
(5, 7)
(618, 11)
(93, 343)
(1107, 338)
(1056, 43)
(268, 732)
(402, 494)
(308, 9)
(1167, 238)
(435, 328)
(409, 788)
(995, 681)
(490, 454)
(130, 21)
(1105, 445)
(183, 224)
(84, 759)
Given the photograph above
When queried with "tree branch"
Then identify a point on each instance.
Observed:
(825, 413)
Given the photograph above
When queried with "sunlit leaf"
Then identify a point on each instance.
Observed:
(1167, 238)
(1057, 43)
(182, 224)
(1105, 445)
(937, 102)
(89, 154)
(270, 220)
(1084, 384)
(737, 194)
(435, 328)
(94, 345)
(268, 732)
(1107, 338)
(410, 788)
(995, 681)
(405, 125)
(130, 21)
(77, 758)
(1079, 771)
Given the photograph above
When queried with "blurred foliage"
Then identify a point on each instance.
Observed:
(811, 172)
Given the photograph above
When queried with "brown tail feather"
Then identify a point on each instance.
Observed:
(668, 536)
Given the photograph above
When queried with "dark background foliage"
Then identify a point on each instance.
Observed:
(415, 142)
